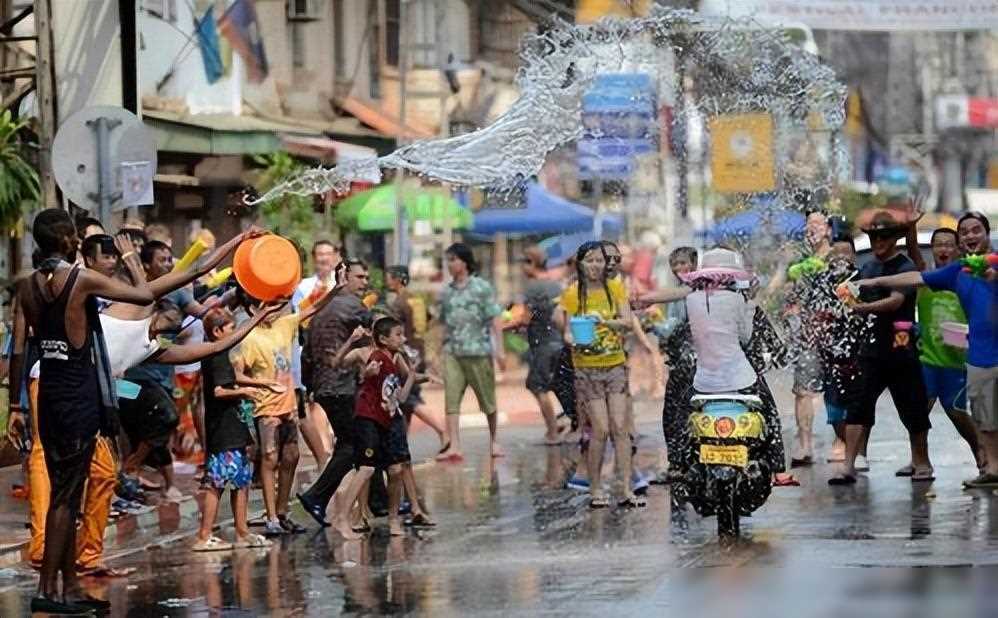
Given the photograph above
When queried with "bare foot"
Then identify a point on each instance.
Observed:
(344, 530)
(395, 527)
(552, 440)
(497, 451)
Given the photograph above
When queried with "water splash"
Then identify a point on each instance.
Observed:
(736, 65)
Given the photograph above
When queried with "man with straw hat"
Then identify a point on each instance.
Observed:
(888, 355)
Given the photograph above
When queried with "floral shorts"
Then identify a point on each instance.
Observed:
(230, 467)
(598, 383)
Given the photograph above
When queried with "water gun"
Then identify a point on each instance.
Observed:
(847, 292)
(219, 278)
(978, 265)
(197, 248)
(806, 267)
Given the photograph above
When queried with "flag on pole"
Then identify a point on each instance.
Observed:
(239, 26)
(208, 42)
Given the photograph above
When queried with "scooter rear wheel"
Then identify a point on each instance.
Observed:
(728, 524)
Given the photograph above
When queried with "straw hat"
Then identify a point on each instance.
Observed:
(719, 263)
(883, 222)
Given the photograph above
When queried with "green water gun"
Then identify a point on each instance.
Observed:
(806, 267)
(978, 265)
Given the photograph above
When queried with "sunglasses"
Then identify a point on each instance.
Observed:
(882, 235)
(105, 242)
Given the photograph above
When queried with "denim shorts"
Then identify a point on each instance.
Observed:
(834, 412)
(948, 385)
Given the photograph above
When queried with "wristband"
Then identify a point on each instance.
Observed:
(127, 255)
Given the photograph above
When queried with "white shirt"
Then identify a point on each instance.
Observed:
(196, 328)
(304, 289)
(127, 341)
(718, 335)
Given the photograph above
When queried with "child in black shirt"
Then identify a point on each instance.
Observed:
(227, 437)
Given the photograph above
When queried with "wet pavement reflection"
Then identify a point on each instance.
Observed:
(510, 539)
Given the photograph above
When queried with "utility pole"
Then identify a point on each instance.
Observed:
(447, 231)
(398, 241)
(47, 102)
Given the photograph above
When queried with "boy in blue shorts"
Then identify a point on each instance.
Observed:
(227, 438)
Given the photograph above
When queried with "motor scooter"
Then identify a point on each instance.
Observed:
(726, 472)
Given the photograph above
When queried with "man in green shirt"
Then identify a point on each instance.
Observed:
(473, 337)
(943, 366)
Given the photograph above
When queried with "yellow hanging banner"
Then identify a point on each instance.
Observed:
(591, 11)
(741, 158)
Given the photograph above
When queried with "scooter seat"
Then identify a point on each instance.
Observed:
(747, 399)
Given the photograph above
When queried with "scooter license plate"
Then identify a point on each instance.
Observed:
(724, 455)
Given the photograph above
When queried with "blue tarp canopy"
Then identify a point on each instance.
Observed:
(545, 213)
(763, 219)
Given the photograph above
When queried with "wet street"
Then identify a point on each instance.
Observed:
(511, 540)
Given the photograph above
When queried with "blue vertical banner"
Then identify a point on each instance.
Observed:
(619, 116)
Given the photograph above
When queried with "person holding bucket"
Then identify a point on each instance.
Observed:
(596, 313)
(264, 361)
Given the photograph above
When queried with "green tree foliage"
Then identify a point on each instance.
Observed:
(291, 216)
(19, 184)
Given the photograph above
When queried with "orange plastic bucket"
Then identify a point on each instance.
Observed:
(267, 267)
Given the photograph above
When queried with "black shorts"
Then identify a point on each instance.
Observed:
(413, 401)
(67, 462)
(398, 441)
(543, 364)
(151, 417)
(380, 447)
(901, 374)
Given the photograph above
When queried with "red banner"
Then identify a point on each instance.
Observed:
(982, 113)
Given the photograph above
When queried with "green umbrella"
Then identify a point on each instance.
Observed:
(374, 210)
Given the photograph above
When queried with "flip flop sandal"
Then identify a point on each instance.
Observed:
(908, 470)
(420, 521)
(599, 502)
(257, 522)
(251, 541)
(803, 461)
(364, 528)
(632, 503)
(443, 449)
(923, 476)
(787, 481)
(845, 479)
(212, 543)
(984, 481)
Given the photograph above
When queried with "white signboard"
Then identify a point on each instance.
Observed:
(875, 15)
(136, 183)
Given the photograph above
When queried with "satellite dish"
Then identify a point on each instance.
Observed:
(76, 157)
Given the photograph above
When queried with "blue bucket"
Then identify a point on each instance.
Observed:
(583, 330)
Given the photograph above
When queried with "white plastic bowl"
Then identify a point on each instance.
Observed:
(955, 334)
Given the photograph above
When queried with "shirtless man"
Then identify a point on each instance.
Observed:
(59, 305)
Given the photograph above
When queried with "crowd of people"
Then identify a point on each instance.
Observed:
(109, 330)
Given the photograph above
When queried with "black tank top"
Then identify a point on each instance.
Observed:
(69, 397)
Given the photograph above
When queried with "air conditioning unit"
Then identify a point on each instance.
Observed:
(305, 10)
